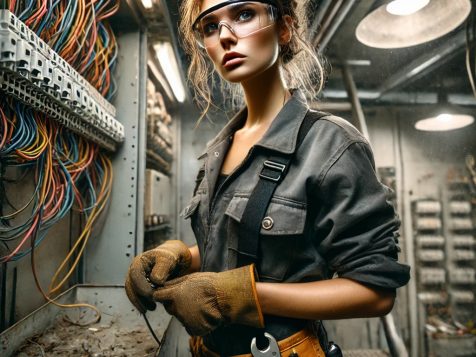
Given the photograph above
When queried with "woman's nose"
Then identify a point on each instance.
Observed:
(226, 34)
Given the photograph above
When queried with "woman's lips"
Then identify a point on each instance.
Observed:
(233, 62)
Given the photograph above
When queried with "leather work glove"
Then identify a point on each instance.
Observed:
(170, 259)
(205, 301)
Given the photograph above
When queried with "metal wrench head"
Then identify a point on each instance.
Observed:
(271, 351)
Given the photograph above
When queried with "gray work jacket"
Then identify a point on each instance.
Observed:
(329, 215)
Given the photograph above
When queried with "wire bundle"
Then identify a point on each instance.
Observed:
(68, 173)
(78, 32)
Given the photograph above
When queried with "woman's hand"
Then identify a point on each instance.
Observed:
(152, 268)
(204, 301)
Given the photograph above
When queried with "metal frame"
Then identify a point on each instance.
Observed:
(109, 254)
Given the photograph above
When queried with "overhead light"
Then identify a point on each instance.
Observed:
(148, 3)
(444, 122)
(423, 22)
(166, 56)
(406, 7)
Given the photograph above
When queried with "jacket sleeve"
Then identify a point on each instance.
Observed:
(357, 228)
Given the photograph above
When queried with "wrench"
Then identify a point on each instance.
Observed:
(271, 351)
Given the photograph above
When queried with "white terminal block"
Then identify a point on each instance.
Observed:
(462, 276)
(428, 207)
(462, 296)
(462, 255)
(460, 207)
(461, 224)
(428, 223)
(426, 241)
(32, 72)
(432, 276)
(432, 297)
(463, 241)
(431, 255)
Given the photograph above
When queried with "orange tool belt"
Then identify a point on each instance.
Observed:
(302, 344)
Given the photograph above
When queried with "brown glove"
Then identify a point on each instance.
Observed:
(169, 260)
(204, 301)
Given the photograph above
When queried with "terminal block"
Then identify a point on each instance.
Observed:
(428, 240)
(463, 241)
(36, 75)
(462, 296)
(461, 224)
(460, 207)
(428, 207)
(427, 297)
(462, 276)
(432, 276)
(463, 255)
(431, 255)
(428, 223)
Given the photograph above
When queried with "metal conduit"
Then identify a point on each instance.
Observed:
(336, 21)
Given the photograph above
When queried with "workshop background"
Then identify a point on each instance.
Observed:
(98, 148)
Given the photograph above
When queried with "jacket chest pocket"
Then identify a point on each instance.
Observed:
(280, 231)
(192, 212)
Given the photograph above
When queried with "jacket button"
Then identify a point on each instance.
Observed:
(267, 223)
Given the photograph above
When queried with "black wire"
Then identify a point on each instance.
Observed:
(151, 330)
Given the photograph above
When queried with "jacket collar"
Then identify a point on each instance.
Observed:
(287, 121)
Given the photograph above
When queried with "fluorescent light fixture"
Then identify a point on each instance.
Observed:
(424, 21)
(406, 7)
(444, 122)
(166, 56)
(148, 3)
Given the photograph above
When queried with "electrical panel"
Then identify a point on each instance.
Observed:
(461, 262)
(430, 251)
(159, 132)
(157, 198)
(36, 75)
(446, 260)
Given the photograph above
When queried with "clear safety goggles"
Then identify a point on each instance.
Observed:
(242, 18)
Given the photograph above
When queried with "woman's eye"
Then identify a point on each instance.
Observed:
(209, 28)
(245, 15)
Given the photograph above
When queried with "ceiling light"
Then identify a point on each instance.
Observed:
(381, 29)
(148, 3)
(444, 122)
(406, 7)
(166, 56)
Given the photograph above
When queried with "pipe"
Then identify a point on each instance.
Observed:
(321, 12)
(336, 22)
(395, 343)
(327, 22)
(357, 111)
(423, 64)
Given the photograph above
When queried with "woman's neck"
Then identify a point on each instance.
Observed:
(265, 95)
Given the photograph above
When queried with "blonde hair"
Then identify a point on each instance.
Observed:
(301, 66)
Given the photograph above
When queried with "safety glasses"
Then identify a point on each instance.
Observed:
(242, 18)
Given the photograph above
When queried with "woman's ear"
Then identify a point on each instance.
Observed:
(285, 30)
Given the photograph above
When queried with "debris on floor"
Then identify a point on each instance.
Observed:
(97, 340)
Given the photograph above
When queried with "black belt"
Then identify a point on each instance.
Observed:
(236, 339)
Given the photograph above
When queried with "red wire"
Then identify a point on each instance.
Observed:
(5, 128)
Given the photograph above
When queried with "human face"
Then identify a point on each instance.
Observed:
(240, 38)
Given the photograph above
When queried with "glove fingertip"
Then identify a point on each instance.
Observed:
(150, 305)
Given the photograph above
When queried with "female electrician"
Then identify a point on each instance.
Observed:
(328, 213)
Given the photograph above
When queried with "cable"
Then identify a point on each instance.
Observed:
(151, 330)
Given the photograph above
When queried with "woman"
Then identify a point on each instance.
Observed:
(328, 213)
